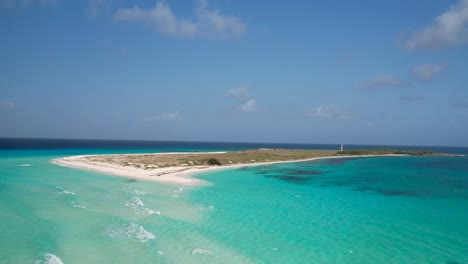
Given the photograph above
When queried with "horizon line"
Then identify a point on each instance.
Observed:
(229, 142)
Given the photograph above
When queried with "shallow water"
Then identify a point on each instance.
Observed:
(371, 210)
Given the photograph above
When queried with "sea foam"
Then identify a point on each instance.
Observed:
(132, 231)
(49, 258)
(135, 201)
(139, 207)
(63, 191)
(202, 208)
(75, 205)
(200, 251)
(140, 192)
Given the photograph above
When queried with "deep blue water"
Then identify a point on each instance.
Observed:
(168, 146)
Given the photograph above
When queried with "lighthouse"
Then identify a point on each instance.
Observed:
(342, 147)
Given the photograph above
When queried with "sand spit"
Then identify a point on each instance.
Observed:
(175, 174)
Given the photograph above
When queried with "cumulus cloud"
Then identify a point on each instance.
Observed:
(378, 82)
(7, 105)
(328, 112)
(164, 117)
(426, 72)
(161, 18)
(242, 97)
(207, 22)
(448, 29)
(214, 24)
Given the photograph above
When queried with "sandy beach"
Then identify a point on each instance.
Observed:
(176, 174)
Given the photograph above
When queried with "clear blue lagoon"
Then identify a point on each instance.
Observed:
(362, 210)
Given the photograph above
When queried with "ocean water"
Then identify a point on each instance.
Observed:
(361, 210)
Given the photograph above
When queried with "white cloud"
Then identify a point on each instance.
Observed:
(248, 106)
(425, 72)
(161, 18)
(207, 22)
(378, 82)
(7, 105)
(241, 95)
(448, 29)
(164, 117)
(214, 24)
(328, 112)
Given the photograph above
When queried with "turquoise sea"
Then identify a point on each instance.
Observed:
(361, 210)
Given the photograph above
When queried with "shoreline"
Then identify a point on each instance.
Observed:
(176, 174)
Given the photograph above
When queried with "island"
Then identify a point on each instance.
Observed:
(176, 167)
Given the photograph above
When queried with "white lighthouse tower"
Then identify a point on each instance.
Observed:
(342, 147)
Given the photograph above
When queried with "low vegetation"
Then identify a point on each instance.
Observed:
(155, 161)
(386, 152)
(213, 161)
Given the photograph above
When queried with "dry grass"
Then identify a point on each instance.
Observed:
(154, 161)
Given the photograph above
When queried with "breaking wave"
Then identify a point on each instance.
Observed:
(135, 201)
(139, 207)
(63, 191)
(132, 231)
(49, 258)
(75, 205)
(140, 192)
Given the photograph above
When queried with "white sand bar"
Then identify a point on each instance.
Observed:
(176, 174)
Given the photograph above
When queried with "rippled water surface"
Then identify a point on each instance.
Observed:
(372, 210)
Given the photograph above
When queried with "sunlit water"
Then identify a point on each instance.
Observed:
(367, 210)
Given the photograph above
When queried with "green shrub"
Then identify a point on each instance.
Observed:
(213, 161)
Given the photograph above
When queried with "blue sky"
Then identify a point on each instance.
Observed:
(372, 72)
